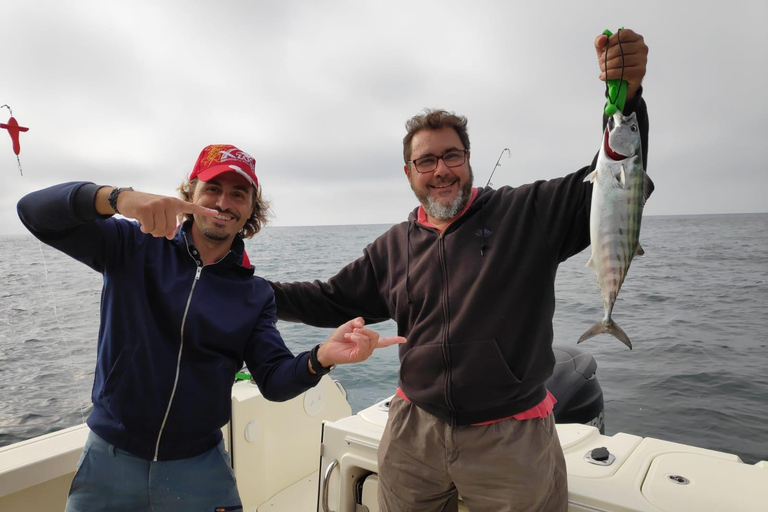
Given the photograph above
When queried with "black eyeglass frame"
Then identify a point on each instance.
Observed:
(437, 160)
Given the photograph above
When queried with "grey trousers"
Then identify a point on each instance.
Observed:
(424, 464)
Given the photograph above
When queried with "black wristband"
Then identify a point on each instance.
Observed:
(112, 199)
(314, 362)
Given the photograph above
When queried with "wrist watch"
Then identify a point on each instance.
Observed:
(314, 362)
(112, 199)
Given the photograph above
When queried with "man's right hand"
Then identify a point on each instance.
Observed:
(158, 215)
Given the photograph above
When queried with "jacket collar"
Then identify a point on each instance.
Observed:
(236, 257)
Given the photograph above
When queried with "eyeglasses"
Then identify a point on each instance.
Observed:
(452, 158)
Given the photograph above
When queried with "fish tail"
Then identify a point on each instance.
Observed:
(607, 327)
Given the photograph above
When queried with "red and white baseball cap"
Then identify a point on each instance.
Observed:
(220, 158)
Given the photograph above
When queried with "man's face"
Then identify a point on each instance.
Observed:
(445, 191)
(232, 195)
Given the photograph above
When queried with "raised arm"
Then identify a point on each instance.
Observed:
(157, 215)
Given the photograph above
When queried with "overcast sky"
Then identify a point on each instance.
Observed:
(128, 93)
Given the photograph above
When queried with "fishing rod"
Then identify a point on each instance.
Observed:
(498, 163)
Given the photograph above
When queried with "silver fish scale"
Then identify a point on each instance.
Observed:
(619, 237)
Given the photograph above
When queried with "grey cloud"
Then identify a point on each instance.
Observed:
(129, 93)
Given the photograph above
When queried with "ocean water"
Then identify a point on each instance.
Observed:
(695, 307)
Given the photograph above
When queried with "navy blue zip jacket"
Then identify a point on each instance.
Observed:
(173, 332)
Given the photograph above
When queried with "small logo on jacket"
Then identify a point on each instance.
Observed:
(483, 233)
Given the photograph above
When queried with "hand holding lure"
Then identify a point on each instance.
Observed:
(615, 90)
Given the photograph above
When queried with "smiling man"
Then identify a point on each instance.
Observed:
(469, 279)
(443, 190)
(181, 312)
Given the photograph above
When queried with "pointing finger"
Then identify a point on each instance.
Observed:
(195, 209)
(391, 340)
(202, 210)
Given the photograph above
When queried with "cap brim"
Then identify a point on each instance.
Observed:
(212, 172)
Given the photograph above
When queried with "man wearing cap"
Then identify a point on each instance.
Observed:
(177, 323)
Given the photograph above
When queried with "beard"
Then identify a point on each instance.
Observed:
(212, 234)
(441, 210)
(215, 233)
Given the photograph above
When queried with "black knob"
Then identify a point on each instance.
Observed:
(600, 454)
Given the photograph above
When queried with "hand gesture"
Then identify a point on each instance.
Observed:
(352, 343)
(158, 215)
(633, 62)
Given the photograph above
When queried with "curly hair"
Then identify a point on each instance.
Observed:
(434, 119)
(258, 219)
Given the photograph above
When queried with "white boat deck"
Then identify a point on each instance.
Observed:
(298, 497)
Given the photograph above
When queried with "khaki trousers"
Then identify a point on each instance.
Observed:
(512, 465)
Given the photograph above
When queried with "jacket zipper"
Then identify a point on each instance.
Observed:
(178, 359)
(200, 266)
(447, 323)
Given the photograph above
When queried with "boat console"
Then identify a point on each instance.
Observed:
(622, 472)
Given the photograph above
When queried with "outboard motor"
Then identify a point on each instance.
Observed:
(574, 384)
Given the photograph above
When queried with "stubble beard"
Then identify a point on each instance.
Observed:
(216, 236)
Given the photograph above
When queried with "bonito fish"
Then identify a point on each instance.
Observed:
(620, 190)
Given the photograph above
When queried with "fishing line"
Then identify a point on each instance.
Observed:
(61, 333)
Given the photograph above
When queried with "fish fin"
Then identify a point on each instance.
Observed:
(591, 177)
(603, 327)
(592, 332)
(623, 177)
(648, 188)
(639, 251)
(589, 262)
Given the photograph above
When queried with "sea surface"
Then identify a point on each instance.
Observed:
(695, 307)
